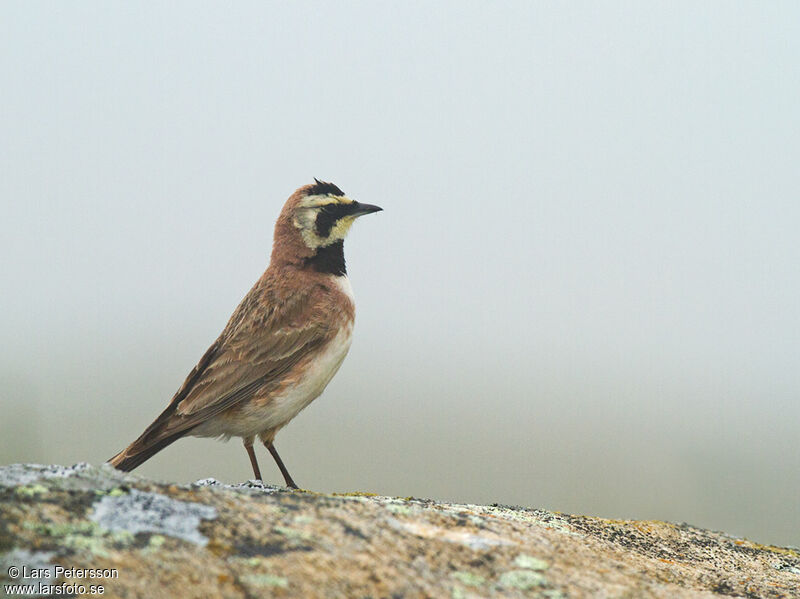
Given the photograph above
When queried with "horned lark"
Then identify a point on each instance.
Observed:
(283, 343)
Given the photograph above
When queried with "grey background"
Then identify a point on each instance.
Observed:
(582, 294)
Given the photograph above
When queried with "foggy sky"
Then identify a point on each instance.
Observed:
(582, 293)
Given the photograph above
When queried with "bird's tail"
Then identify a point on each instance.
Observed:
(141, 450)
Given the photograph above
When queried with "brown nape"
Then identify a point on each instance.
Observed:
(288, 246)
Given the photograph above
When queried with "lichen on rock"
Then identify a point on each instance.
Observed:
(210, 539)
(138, 511)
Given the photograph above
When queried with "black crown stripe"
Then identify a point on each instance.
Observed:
(323, 188)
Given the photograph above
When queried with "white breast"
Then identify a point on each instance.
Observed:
(282, 408)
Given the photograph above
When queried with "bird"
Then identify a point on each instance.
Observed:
(281, 346)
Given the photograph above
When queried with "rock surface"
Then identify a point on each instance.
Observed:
(251, 540)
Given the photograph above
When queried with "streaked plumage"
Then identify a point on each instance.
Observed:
(283, 343)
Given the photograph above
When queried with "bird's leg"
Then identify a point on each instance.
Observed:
(286, 476)
(253, 461)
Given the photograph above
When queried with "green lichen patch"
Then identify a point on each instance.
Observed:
(458, 593)
(294, 536)
(155, 542)
(62, 529)
(81, 537)
(469, 579)
(522, 579)
(248, 562)
(265, 580)
(115, 492)
(355, 494)
(529, 562)
(30, 491)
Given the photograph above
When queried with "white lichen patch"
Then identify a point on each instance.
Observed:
(429, 531)
(255, 486)
(151, 512)
(24, 474)
(207, 482)
(785, 567)
(403, 510)
(81, 476)
(543, 518)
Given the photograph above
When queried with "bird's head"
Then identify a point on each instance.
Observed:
(323, 214)
(315, 217)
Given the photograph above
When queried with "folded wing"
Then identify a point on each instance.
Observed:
(264, 339)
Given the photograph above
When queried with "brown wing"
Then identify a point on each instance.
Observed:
(264, 338)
